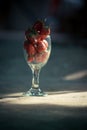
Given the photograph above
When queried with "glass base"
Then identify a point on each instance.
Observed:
(35, 92)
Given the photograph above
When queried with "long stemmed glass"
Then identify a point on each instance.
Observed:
(36, 62)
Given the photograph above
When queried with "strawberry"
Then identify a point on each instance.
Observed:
(45, 32)
(31, 50)
(46, 43)
(31, 35)
(30, 58)
(42, 57)
(41, 46)
(38, 26)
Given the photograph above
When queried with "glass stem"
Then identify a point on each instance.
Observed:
(35, 78)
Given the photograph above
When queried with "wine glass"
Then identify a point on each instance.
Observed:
(36, 62)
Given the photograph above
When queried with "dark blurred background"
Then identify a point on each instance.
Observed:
(64, 16)
(67, 19)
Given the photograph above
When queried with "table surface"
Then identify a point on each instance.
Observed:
(64, 78)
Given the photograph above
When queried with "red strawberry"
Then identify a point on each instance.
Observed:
(32, 38)
(45, 32)
(41, 46)
(46, 43)
(38, 26)
(30, 58)
(30, 35)
(31, 50)
(38, 37)
(42, 57)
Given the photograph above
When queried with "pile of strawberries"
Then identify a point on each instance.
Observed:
(35, 43)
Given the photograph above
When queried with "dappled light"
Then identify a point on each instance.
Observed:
(76, 75)
(69, 98)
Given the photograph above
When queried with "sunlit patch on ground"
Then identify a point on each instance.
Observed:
(75, 76)
(67, 98)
